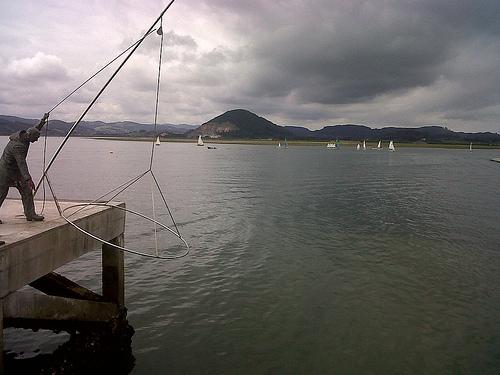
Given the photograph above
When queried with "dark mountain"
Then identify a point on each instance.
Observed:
(428, 134)
(240, 123)
(12, 124)
(300, 132)
(348, 132)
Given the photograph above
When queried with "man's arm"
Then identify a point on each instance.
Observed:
(43, 120)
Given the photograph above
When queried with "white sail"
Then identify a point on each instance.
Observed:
(380, 144)
(470, 147)
(358, 147)
(391, 146)
(157, 141)
(200, 141)
(279, 144)
(331, 145)
(364, 145)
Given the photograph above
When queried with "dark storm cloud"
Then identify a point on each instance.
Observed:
(308, 62)
(338, 52)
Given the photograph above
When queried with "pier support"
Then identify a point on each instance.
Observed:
(113, 277)
(34, 250)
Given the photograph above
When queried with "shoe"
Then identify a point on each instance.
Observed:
(35, 217)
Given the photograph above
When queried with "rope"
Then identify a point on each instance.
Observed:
(129, 183)
(99, 71)
(154, 218)
(160, 31)
(153, 144)
(91, 104)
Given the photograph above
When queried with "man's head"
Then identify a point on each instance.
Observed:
(33, 134)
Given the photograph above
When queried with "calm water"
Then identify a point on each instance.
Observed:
(303, 261)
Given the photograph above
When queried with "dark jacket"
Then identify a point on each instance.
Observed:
(13, 166)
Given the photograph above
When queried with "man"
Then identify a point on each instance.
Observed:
(14, 169)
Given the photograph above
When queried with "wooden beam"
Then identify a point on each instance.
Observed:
(29, 310)
(57, 285)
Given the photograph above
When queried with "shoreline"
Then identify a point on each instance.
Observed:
(343, 144)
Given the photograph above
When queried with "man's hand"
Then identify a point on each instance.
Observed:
(43, 120)
(31, 184)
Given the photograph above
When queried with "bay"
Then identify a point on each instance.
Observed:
(303, 260)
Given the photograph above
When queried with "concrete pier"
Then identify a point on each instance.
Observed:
(34, 250)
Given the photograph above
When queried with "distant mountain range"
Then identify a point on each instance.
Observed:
(12, 124)
(240, 123)
(427, 134)
(243, 124)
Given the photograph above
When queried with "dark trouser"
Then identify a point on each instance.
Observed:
(26, 196)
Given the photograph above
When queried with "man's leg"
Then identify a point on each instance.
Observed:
(28, 202)
(4, 189)
(3, 193)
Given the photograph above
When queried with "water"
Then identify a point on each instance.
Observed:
(303, 261)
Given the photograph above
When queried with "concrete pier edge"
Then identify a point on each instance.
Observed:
(33, 250)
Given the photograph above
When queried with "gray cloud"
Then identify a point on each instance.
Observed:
(303, 62)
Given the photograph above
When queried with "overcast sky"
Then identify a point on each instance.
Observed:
(296, 62)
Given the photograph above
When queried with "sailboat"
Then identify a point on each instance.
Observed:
(331, 145)
(364, 145)
(358, 147)
(200, 141)
(379, 146)
(279, 144)
(391, 146)
(286, 144)
(470, 147)
(157, 143)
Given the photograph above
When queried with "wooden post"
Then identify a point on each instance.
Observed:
(1, 337)
(113, 277)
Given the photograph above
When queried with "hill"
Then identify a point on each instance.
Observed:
(12, 124)
(240, 123)
(428, 134)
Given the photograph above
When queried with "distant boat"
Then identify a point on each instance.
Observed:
(470, 147)
(286, 144)
(211, 147)
(279, 144)
(391, 146)
(157, 141)
(358, 147)
(200, 141)
(331, 145)
(379, 146)
(364, 145)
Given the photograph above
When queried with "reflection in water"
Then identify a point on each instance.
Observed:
(87, 351)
